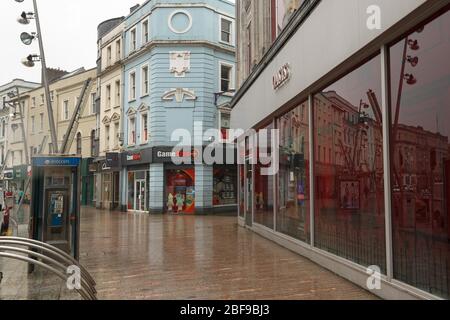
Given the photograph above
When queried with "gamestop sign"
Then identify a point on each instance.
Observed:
(166, 155)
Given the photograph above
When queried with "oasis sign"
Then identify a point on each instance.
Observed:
(282, 76)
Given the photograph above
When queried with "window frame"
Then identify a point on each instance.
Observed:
(231, 85)
(145, 33)
(144, 124)
(132, 130)
(65, 109)
(145, 91)
(133, 39)
(132, 93)
(231, 32)
(108, 92)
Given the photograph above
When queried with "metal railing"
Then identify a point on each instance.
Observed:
(48, 257)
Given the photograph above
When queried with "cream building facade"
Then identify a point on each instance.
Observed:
(64, 93)
(109, 81)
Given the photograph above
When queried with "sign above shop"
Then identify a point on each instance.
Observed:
(167, 154)
(112, 161)
(56, 162)
(134, 157)
(282, 76)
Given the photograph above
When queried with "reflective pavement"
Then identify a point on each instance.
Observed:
(137, 256)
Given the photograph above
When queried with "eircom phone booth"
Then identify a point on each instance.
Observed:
(55, 202)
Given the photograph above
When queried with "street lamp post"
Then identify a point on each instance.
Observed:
(51, 120)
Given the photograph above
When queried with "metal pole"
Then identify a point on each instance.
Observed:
(51, 119)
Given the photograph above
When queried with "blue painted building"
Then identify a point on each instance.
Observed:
(179, 57)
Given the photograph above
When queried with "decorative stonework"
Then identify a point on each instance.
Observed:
(143, 108)
(131, 112)
(180, 63)
(188, 17)
(179, 94)
(106, 120)
(115, 117)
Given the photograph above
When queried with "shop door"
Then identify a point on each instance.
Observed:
(180, 191)
(141, 198)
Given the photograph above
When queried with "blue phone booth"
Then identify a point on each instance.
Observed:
(55, 202)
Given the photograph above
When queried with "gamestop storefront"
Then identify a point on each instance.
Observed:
(194, 188)
(160, 180)
(363, 150)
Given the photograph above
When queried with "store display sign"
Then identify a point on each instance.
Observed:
(167, 154)
(112, 160)
(282, 76)
(56, 162)
(134, 157)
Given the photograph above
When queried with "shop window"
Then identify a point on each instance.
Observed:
(349, 207)
(293, 218)
(225, 186)
(420, 160)
(264, 192)
(180, 191)
(241, 191)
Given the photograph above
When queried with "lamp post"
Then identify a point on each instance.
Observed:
(29, 61)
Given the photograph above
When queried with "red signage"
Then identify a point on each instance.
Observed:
(134, 157)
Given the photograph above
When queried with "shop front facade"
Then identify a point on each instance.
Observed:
(362, 149)
(106, 173)
(157, 183)
(135, 174)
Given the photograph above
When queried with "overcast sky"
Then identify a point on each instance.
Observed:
(69, 30)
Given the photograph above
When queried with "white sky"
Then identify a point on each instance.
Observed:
(69, 30)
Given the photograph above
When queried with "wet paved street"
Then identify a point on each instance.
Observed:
(185, 257)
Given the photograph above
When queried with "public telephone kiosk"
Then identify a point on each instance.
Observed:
(55, 202)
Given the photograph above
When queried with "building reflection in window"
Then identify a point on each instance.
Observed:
(349, 191)
(293, 217)
(241, 191)
(420, 157)
(264, 192)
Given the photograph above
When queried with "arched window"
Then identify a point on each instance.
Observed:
(79, 147)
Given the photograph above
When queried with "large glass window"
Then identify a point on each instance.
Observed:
(420, 157)
(264, 192)
(241, 191)
(293, 216)
(349, 188)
